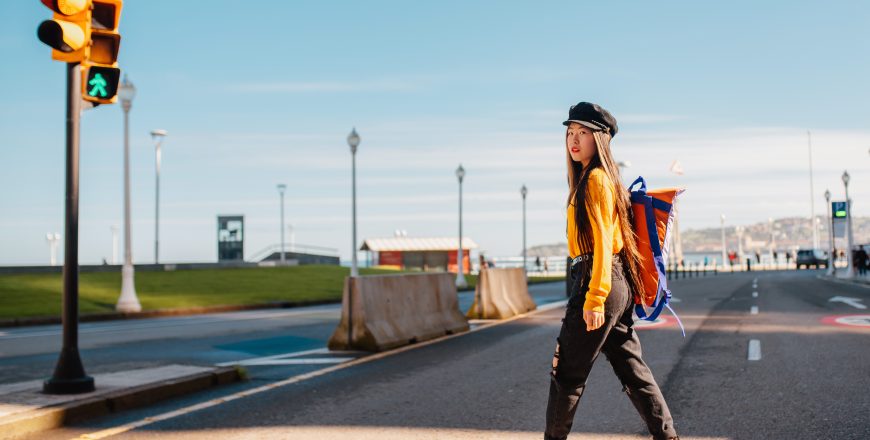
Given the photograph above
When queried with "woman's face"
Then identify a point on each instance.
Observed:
(580, 143)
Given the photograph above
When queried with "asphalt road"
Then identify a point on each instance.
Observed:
(762, 359)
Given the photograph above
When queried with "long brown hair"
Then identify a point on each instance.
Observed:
(577, 185)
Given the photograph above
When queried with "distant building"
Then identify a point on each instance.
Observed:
(424, 254)
(231, 238)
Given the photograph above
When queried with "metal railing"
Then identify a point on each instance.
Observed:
(299, 248)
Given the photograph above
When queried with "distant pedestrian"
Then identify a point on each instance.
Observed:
(757, 257)
(546, 267)
(860, 260)
(603, 275)
(787, 258)
(538, 263)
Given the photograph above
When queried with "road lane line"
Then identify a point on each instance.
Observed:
(306, 361)
(755, 294)
(277, 356)
(754, 350)
(753, 310)
(302, 377)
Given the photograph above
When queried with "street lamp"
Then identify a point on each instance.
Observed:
(128, 302)
(724, 251)
(460, 275)
(157, 136)
(353, 142)
(114, 244)
(772, 243)
(850, 269)
(830, 220)
(812, 192)
(53, 240)
(524, 191)
(281, 188)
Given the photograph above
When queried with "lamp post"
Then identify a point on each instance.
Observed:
(724, 251)
(53, 240)
(128, 302)
(281, 188)
(114, 244)
(773, 239)
(460, 275)
(157, 136)
(524, 191)
(812, 191)
(623, 164)
(830, 220)
(353, 142)
(850, 269)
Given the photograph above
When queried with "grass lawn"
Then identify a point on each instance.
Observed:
(25, 295)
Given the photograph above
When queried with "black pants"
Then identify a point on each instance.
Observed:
(577, 349)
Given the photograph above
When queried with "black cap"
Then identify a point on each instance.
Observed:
(593, 116)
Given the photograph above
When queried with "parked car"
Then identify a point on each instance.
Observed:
(811, 257)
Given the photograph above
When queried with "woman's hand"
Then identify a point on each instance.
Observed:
(593, 320)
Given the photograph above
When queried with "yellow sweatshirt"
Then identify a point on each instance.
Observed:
(607, 235)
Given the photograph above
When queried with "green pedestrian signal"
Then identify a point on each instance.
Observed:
(839, 209)
(100, 83)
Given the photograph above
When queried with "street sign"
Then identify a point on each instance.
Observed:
(839, 209)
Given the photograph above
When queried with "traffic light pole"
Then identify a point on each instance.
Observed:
(69, 374)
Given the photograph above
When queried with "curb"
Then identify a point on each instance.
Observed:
(44, 419)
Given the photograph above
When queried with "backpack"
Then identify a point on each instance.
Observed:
(653, 216)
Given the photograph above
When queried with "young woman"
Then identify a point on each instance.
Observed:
(604, 273)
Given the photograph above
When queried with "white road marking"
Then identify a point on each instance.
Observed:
(306, 361)
(753, 310)
(854, 302)
(755, 294)
(299, 378)
(855, 320)
(754, 350)
(276, 356)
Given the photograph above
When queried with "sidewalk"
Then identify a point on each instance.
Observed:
(24, 409)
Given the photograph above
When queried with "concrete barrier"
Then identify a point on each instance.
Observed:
(379, 312)
(500, 294)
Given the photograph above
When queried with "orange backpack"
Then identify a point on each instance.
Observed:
(653, 216)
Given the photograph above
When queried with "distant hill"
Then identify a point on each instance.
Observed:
(789, 233)
(548, 250)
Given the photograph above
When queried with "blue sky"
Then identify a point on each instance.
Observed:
(254, 96)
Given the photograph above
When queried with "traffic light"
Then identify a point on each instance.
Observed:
(100, 73)
(86, 32)
(68, 32)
